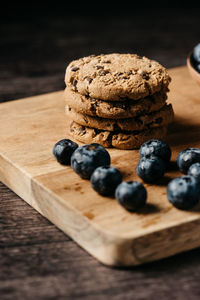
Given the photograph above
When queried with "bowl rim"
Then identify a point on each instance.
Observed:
(194, 73)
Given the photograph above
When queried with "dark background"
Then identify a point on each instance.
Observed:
(37, 261)
(37, 42)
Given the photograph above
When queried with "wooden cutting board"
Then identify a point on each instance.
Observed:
(28, 130)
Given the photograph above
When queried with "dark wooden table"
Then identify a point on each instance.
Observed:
(37, 261)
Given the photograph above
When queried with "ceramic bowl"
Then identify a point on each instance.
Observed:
(193, 72)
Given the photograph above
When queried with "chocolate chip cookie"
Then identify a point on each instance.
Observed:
(121, 140)
(139, 123)
(114, 109)
(116, 76)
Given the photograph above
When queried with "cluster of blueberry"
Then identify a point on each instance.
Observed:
(183, 192)
(92, 162)
(196, 57)
(154, 157)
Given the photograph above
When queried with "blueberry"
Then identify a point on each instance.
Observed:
(157, 148)
(196, 53)
(104, 180)
(63, 150)
(151, 169)
(131, 195)
(186, 158)
(87, 158)
(194, 170)
(183, 192)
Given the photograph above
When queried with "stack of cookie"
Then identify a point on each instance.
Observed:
(117, 100)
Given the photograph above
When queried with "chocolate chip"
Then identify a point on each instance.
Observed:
(158, 120)
(103, 72)
(74, 69)
(93, 107)
(106, 61)
(121, 105)
(99, 67)
(85, 119)
(122, 98)
(109, 138)
(145, 76)
(88, 80)
(125, 137)
(153, 100)
(82, 130)
(97, 131)
(116, 127)
(138, 120)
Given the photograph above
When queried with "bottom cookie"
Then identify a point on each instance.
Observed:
(121, 140)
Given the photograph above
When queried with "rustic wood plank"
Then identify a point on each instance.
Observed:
(27, 167)
(34, 49)
(64, 271)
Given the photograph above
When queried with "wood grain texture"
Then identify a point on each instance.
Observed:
(44, 44)
(39, 261)
(28, 168)
(35, 49)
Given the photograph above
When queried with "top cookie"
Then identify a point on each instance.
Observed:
(116, 76)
